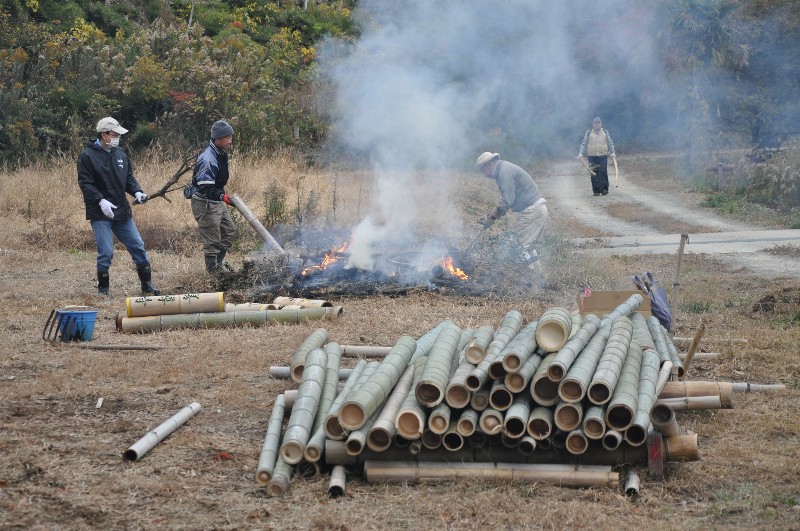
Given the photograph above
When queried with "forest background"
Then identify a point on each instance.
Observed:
(727, 78)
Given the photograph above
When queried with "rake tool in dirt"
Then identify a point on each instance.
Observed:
(474, 241)
(59, 327)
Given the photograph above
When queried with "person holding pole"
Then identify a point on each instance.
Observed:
(598, 146)
(209, 200)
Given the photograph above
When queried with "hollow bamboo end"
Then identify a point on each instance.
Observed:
(612, 439)
(511, 362)
(570, 390)
(278, 487)
(515, 428)
(619, 417)
(297, 372)
(409, 424)
(567, 418)
(429, 394)
(291, 452)
(682, 447)
(515, 382)
(599, 393)
(379, 440)
(545, 391)
(457, 397)
(130, 455)
(594, 428)
(452, 441)
(636, 435)
(576, 444)
(332, 428)
(555, 372)
(351, 416)
(312, 454)
(263, 477)
(539, 429)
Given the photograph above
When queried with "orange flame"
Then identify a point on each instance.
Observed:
(447, 264)
(330, 258)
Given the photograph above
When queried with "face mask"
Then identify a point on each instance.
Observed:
(114, 142)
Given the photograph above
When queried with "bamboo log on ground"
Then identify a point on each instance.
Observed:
(157, 323)
(302, 302)
(543, 390)
(577, 443)
(491, 421)
(612, 439)
(315, 446)
(626, 308)
(278, 484)
(366, 351)
(382, 433)
(269, 450)
(573, 387)
(724, 390)
(356, 440)
(515, 422)
(451, 439)
(610, 365)
(500, 398)
(476, 349)
(270, 245)
(632, 483)
(744, 387)
(184, 303)
(519, 349)
(568, 415)
(517, 382)
(331, 426)
(691, 403)
(569, 352)
(369, 397)
(659, 341)
(410, 472)
(687, 361)
(315, 339)
(554, 329)
(663, 376)
(284, 372)
(307, 470)
(329, 391)
(439, 419)
(289, 397)
(161, 432)
(636, 434)
(623, 404)
(336, 486)
(430, 389)
(301, 421)
(411, 417)
(467, 422)
(664, 421)
(540, 423)
(700, 356)
(457, 393)
(677, 362)
(594, 422)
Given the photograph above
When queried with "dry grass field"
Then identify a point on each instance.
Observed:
(61, 461)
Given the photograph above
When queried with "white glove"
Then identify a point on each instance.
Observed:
(108, 208)
(141, 197)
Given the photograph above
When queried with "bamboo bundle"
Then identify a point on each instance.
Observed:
(429, 391)
(540, 423)
(500, 398)
(315, 339)
(610, 364)
(411, 417)
(269, 450)
(660, 342)
(303, 303)
(476, 349)
(382, 433)
(468, 422)
(509, 327)
(149, 305)
(491, 421)
(369, 397)
(331, 426)
(515, 423)
(451, 439)
(516, 382)
(577, 443)
(439, 419)
(298, 429)
(594, 422)
(626, 308)
(636, 434)
(278, 485)
(519, 349)
(569, 352)
(568, 415)
(623, 404)
(724, 390)
(663, 419)
(543, 390)
(574, 385)
(555, 326)
(337, 482)
(314, 447)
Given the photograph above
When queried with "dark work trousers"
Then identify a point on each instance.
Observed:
(600, 178)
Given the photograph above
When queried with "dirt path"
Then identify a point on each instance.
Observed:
(734, 243)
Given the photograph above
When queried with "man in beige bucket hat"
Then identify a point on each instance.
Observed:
(520, 194)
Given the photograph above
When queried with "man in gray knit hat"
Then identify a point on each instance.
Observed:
(210, 199)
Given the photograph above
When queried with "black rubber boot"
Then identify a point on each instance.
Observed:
(145, 276)
(211, 263)
(102, 282)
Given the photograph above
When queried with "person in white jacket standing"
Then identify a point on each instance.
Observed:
(598, 146)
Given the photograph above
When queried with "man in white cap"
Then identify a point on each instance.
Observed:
(598, 146)
(104, 176)
(210, 199)
(520, 194)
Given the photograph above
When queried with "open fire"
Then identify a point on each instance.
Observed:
(334, 256)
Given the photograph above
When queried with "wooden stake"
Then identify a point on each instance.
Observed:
(676, 284)
(693, 348)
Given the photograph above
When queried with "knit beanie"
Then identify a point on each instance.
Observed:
(221, 129)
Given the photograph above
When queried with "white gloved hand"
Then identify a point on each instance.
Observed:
(141, 197)
(108, 208)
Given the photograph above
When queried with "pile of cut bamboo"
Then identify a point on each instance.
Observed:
(150, 313)
(565, 399)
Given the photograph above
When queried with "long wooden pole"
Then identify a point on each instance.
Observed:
(676, 284)
(272, 246)
(693, 348)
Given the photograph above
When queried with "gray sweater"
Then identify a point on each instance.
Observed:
(517, 189)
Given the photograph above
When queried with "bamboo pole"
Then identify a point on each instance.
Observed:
(457, 394)
(271, 246)
(451, 439)
(560, 475)
(594, 422)
(626, 308)
(480, 399)
(249, 307)
(284, 372)
(439, 419)
(519, 349)
(700, 356)
(660, 342)
(636, 434)
(543, 390)
(500, 398)
(491, 421)
(509, 327)
(540, 423)
(743, 387)
(367, 351)
(476, 349)
(573, 387)
(157, 323)
(278, 485)
(569, 352)
(516, 382)
(330, 424)
(612, 439)
(641, 331)
(568, 415)
(410, 420)
(269, 451)
(676, 284)
(664, 421)
(555, 326)
(677, 362)
(687, 361)
(369, 397)
(714, 340)
(663, 376)
(429, 391)
(307, 470)
(303, 303)
(577, 322)
(150, 305)
(298, 429)
(632, 483)
(289, 397)
(336, 486)
(610, 365)
(527, 445)
(162, 431)
(724, 390)
(691, 403)
(382, 433)
(515, 423)
(426, 341)
(507, 441)
(431, 440)
(623, 404)
(468, 422)
(577, 443)
(314, 340)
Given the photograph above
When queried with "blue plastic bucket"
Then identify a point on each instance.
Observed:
(76, 323)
